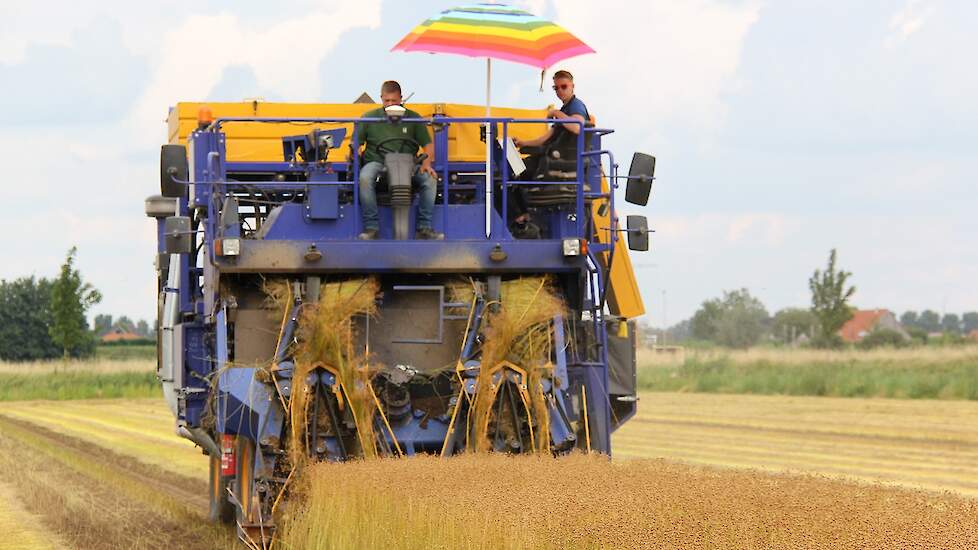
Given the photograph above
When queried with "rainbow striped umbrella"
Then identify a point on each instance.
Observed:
(494, 31)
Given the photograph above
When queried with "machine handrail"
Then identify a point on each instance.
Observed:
(440, 120)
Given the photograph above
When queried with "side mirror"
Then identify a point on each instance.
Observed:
(177, 238)
(638, 233)
(173, 167)
(640, 176)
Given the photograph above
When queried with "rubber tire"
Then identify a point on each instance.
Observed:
(221, 509)
(244, 481)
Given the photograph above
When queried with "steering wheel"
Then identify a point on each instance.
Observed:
(384, 147)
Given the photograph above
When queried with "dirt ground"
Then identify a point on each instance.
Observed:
(923, 444)
(94, 498)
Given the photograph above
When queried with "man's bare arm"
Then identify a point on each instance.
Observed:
(426, 163)
(570, 127)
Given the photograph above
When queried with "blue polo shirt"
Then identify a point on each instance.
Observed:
(573, 107)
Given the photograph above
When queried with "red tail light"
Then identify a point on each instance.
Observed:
(228, 463)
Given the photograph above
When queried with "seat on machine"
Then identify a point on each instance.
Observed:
(382, 189)
(558, 162)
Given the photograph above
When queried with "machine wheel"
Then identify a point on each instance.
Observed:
(244, 482)
(221, 510)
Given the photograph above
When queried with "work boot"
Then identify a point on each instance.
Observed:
(368, 235)
(428, 234)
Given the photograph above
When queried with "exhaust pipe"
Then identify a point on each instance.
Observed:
(200, 437)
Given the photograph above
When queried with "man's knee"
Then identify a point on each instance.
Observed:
(368, 174)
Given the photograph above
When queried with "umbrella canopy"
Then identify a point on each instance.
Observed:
(494, 31)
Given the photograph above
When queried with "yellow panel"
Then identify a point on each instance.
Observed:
(625, 298)
(254, 141)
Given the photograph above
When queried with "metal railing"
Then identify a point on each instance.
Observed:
(442, 124)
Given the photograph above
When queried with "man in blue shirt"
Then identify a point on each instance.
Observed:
(563, 134)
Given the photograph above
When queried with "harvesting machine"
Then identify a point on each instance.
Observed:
(262, 193)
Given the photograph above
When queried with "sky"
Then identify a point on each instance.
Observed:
(782, 129)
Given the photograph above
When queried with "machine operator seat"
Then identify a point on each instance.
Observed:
(558, 163)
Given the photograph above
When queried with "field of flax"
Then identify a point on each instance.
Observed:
(493, 501)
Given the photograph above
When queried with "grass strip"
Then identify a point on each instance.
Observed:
(894, 378)
(77, 384)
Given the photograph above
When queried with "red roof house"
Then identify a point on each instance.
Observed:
(865, 321)
(119, 336)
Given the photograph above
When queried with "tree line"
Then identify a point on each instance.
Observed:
(739, 320)
(45, 318)
(105, 323)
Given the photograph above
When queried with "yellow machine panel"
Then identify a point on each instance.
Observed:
(255, 141)
(624, 298)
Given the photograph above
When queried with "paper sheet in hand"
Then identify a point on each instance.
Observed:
(513, 156)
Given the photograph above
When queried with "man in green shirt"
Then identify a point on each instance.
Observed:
(372, 133)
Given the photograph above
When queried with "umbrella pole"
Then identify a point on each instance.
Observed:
(488, 147)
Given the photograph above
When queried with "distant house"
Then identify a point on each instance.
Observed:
(119, 335)
(865, 321)
(973, 335)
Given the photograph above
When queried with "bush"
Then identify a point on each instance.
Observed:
(883, 337)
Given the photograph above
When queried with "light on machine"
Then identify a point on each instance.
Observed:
(227, 247)
(204, 117)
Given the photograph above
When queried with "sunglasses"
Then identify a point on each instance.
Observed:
(562, 87)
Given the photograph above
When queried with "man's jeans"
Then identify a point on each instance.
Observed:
(368, 196)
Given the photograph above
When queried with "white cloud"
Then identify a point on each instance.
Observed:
(658, 62)
(764, 229)
(23, 24)
(193, 56)
(909, 19)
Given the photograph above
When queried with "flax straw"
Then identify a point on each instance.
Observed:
(325, 339)
(519, 331)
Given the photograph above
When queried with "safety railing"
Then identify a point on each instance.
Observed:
(443, 123)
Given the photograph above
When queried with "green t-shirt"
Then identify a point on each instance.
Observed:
(372, 133)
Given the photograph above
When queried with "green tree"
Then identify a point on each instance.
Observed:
(103, 324)
(929, 320)
(909, 319)
(830, 305)
(70, 299)
(969, 321)
(703, 325)
(125, 324)
(792, 322)
(742, 320)
(25, 315)
(951, 323)
(142, 328)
